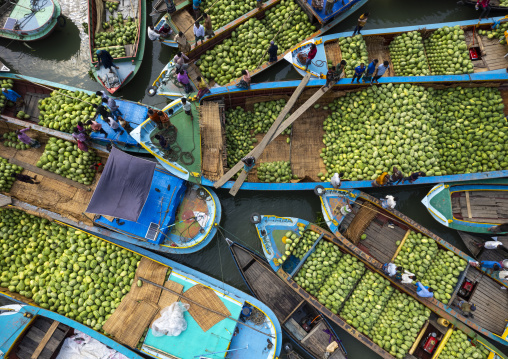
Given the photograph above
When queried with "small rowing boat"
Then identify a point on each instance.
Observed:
(472, 241)
(349, 288)
(129, 292)
(470, 206)
(299, 319)
(29, 20)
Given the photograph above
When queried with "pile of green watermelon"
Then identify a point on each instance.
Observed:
(223, 12)
(298, 243)
(447, 52)
(112, 6)
(398, 326)
(354, 51)
(459, 347)
(266, 113)
(417, 254)
(248, 44)
(5, 84)
(339, 284)
(65, 159)
(498, 32)
(275, 172)
(416, 129)
(11, 140)
(408, 55)
(6, 171)
(62, 112)
(119, 32)
(63, 269)
(367, 302)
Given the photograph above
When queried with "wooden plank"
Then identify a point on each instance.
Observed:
(401, 244)
(256, 152)
(45, 339)
(468, 205)
(48, 174)
(293, 311)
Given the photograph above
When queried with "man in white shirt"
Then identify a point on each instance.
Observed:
(187, 108)
(407, 277)
(380, 71)
(199, 32)
(495, 244)
(152, 34)
(335, 181)
(388, 202)
(391, 269)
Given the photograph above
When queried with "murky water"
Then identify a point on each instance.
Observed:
(63, 58)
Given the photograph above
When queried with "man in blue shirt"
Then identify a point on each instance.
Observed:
(423, 291)
(370, 71)
(359, 70)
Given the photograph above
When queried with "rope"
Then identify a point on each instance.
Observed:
(321, 63)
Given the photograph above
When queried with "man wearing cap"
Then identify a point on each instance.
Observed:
(466, 308)
(13, 96)
(272, 51)
(106, 59)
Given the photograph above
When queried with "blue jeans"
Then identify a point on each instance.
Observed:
(116, 112)
(307, 63)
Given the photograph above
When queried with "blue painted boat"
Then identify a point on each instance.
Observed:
(27, 20)
(33, 89)
(470, 206)
(21, 323)
(385, 231)
(306, 327)
(377, 46)
(248, 329)
(233, 97)
(272, 231)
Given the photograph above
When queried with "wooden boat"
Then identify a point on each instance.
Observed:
(494, 4)
(30, 330)
(304, 149)
(128, 65)
(33, 90)
(481, 254)
(245, 326)
(27, 20)
(299, 320)
(471, 206)
(4, 68)
(272, 231)
(324, 23)
(387, 230)
(169, 215)
(490, 60)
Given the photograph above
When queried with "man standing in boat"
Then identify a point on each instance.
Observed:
(105, 58)
(183, 44)
(170, 6)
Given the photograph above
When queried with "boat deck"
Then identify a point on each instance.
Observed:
(184, 21)
(31, 94)
(492, 52)
(377, 48)
(480, 206)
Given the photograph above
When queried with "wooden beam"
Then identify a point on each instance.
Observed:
(5, 200)
(293, 311)
(45, 340)
(468, 205)
(401, 244)
(48, 174)
(256, 152)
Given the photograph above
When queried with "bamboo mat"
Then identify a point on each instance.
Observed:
(333, 53)
(360, 222)
(152, 271)
(129, 321)
(168, 298)
(212, 141)
(378, 49)
(207, 297)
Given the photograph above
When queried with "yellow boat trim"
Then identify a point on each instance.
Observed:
(443, 343)
(434, 189)
(479, 340)
(437, 215)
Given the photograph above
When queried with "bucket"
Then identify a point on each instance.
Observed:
(443, 322)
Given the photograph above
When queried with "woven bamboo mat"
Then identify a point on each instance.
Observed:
(360, 223)
(130, 319)
(207, 297)
(168, 298)
(333, 53)
(211, 141)
(152, 271)
(378, 49)
(306, 144)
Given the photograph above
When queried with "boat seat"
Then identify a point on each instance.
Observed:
(42, 340)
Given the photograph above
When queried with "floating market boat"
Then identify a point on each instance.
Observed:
(389, 236)
(348, 287)
(122, 36)
(60, 122)
(472, 242)
(499, 5)
(300, 321)
(29, 20)
(133, 289)
(30, 330)
(410, 50)
(471, 206)
(247, 114)
(213, 54)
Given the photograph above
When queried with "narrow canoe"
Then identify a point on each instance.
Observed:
(21, 323)
(306, 138)
(299, 320)
(33, 90)
(387, 230)
(272, 231)
(254, 336)
(470, 207)
(128, 65)
(481, 254)
(27, 20)
(490, 60)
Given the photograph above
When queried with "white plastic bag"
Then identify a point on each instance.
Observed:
(171, 321)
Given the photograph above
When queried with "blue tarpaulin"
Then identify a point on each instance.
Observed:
(123, 188)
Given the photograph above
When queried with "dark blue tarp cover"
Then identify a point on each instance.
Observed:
(123, 188)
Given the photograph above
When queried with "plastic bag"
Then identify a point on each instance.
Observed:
(171, 321)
